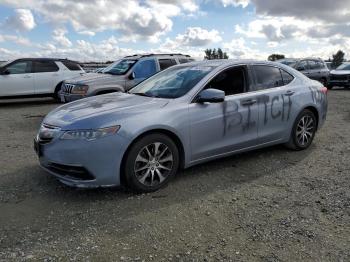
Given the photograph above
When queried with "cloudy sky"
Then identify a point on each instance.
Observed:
(102, 30)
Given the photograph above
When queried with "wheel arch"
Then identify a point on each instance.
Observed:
(314, 110)
(163, 131)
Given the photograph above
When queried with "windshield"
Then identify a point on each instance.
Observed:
(344, 67)
(173, 82)
(120, 67)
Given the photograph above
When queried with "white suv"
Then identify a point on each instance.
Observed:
(36, 76)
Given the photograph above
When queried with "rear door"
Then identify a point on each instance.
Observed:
(219, 128)
(17, 80)
(275, 102)
(45, 74)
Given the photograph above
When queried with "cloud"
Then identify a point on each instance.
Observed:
(243, 3)
(195, 37)
(21, 20)
(321, 10)
(15, 39)
(59, 36)
(135, 20)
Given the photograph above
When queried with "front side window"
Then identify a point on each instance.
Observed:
(232, 81)
(303, 65)
(172, 83)
(45, 66)
(267, 77)
(120, 67)
(165, 63)
(145, 69)
(22, 67)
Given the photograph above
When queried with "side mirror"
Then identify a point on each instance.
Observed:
(211, 96)
(6, 72)
(132, 76)
(300, 68)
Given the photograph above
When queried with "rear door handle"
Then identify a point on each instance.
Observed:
(248, 102)
(289, 93)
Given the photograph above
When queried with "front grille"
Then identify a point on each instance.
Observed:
(67, 88)
(339, 77)
(76, 172)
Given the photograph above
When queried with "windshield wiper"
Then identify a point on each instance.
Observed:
(144, 94)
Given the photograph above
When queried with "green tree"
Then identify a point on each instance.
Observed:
(275, 57)
(211, 54)
(338, 59)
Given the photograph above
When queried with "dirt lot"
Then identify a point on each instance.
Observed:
(268, 205)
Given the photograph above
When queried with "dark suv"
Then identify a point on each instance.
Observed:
(314, 68)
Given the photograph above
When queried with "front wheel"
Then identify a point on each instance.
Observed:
(151, 162)
(304, 130)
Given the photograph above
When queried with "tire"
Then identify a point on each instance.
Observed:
(304, 130)
(57, 89)
(324, 81)
(151, 162)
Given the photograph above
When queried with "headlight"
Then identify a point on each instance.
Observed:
(47, 133)
(80, 89)
(90, 134)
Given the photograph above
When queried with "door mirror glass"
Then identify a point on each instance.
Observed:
(132, 76)
(211, 96)
(6, 72)
(300, 68)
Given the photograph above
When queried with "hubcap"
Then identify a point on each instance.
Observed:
(305, 130)
(153, 164)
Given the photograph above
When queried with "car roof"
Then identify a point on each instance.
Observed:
(45, 59)
(138, 56)
(228, 62)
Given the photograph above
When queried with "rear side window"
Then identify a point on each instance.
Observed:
(22, 67)
(185, 60)
(145, 69)
(45, 66)
(71, 65)
(165, 63)
(287, 78)
(268, 77)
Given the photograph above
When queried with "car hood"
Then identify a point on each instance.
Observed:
(96, 79)
(340, 72)
(101, 111)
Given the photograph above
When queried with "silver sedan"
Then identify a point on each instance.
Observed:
(180, 117)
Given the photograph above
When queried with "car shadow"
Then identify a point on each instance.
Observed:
(25, 102)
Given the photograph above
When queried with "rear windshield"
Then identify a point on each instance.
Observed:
(72, 66)
(120, 67)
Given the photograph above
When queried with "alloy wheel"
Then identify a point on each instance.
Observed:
(153, 164)
(305, 130)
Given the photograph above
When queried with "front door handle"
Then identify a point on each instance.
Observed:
(248, 102)
(27, 76)
(289, 93)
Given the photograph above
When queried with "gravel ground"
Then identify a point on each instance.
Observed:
(267, 205)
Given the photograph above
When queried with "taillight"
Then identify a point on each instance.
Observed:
(324, 90)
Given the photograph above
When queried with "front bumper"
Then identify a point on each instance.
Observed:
(82, 163)
(66, 97)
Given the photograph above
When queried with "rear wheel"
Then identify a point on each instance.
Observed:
(57, 90)
(151, 162)
(304, 130)
(324, 81)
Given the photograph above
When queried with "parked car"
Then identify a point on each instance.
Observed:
(121, 76)
(185, 115)
(36, 76)
(340, 76)
(314, 68)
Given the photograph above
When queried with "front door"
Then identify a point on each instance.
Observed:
(219, 128)
(17, 79)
